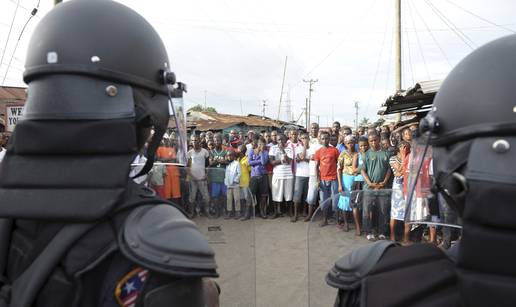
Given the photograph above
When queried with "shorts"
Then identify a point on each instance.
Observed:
(313, 191)
(259, 186)
(300, 189)
(357, 195)
(218, 189)
(282, 189)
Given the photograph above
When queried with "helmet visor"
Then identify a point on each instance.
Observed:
(423, 203)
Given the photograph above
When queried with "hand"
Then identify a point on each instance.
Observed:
(340, 189)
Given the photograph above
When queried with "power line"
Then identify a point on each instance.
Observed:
(420, 49)
(378, 64)
(451, 25)
(431, 34)
(9, 34)
(480, 17)
(32, 14)
(407, 4)
(336, 47)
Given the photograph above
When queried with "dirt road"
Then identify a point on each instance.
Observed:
(274, 262)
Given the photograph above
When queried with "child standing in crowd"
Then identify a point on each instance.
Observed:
(259, 186)
(346, 177)
(302, 175)
(197, 158)
(397, 199)
(376, 172)
(297, 148)
(217, 166)
(167, 154)
(358, 184)
(326, 158)
(245, 173)
(232, 182)
(281, 157)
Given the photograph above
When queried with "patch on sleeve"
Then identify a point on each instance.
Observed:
(129, 287)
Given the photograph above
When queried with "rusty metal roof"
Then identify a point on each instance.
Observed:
(8, 93)
(217, 121)
(418, 98)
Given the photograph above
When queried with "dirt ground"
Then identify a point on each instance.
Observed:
(276, 262)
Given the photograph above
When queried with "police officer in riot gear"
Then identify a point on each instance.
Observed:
(75, 229)
(472, 134)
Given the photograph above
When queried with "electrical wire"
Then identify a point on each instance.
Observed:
(32, 14)
(431, 34)
(377, 65)
(9, 34)
(480, 17)
(452, 26)
(334, 49)
(407, 4)
(420, 49)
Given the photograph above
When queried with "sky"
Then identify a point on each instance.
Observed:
(232, 54)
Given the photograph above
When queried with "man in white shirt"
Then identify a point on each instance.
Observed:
(313, 181)
(197, 157)
(282, 188)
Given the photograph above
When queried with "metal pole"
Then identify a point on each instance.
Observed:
(397, 5)
(310, 90)
(356, 114)
(307, 119)
(282, 84)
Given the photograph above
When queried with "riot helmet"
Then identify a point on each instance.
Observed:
(110, 55)
(466, 138)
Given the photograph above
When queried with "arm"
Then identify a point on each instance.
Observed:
(238, 174)
(264, 158)
(355, 164)
(382, 184)
(251, 161)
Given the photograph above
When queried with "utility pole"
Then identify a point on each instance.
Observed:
(397, 5)
(356, 114)
(282, 84)
(310, 90)
(205, 94)
(307, 119)
(264, 104)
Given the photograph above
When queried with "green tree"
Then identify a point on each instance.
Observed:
(200, 108)
(364, 121)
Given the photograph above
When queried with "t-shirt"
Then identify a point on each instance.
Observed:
(376, 165)
(281, 171)
(295, 150)
(327, 158)
(245, 172)
(218, 171)
(302, 168)
(198, 164)
(312, 165)
(341, 148)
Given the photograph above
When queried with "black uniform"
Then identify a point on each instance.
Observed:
(75, 229)
(472, 132)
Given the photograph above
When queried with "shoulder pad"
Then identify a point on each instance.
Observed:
(161, 238)
(348, 271)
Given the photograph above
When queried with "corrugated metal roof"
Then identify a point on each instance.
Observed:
(218, 121)
(12, 93)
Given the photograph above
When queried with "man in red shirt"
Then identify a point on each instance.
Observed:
(326, 158)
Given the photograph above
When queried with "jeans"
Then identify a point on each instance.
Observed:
(329, 190)
(381, 201)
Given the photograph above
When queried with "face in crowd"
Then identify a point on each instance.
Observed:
(274, 137)
(325, 139)
(250, 135)
(361, 131)
(314, 130)
(407, 135)
(305, 140)
(217, 140)
(267, 137)
(293, 136)
(350, 146)
(335, 128)
(363, 145)
(333, 140)
(346, 131)
(261, 144)
(374, 141)
(194, 141)
(230, 156)
(385, 144)
(282, 141)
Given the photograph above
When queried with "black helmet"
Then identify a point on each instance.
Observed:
(104, 61)
(474, 105)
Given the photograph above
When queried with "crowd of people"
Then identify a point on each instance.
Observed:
(355, 177)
